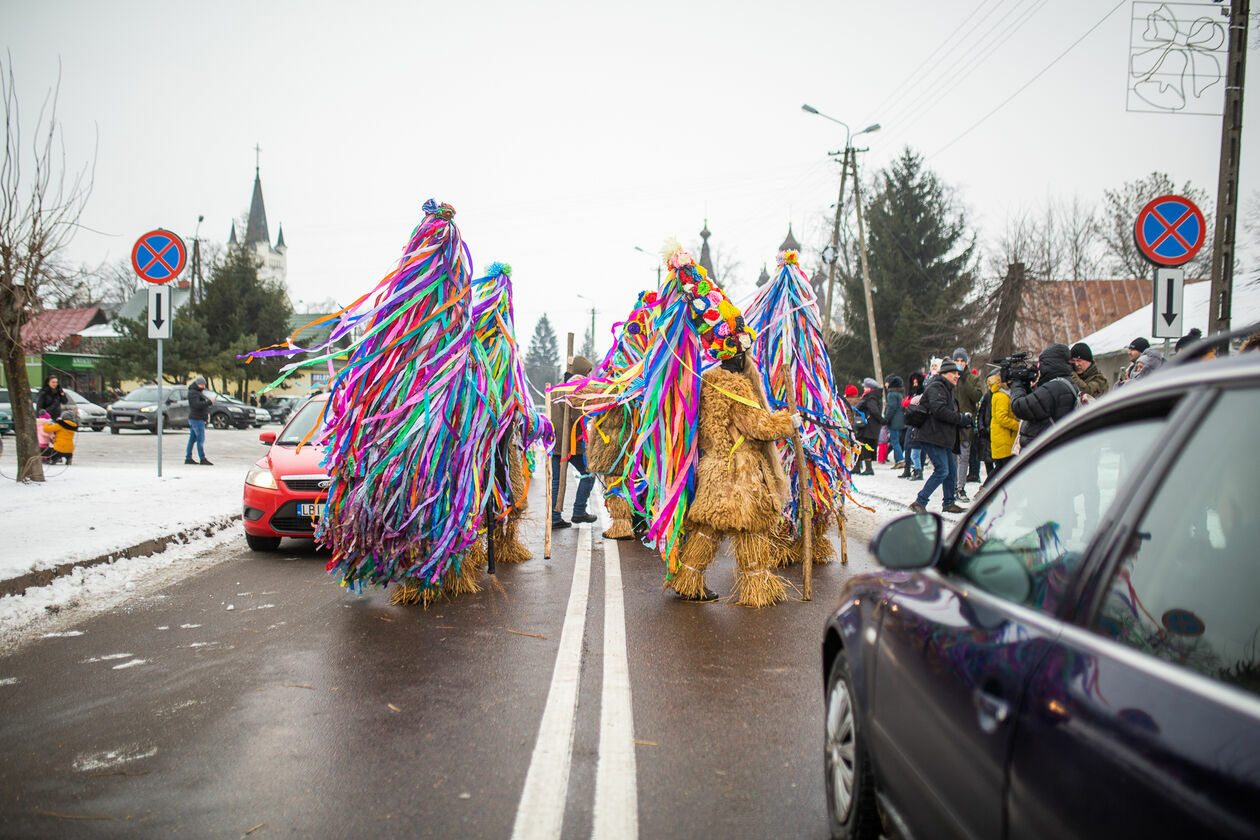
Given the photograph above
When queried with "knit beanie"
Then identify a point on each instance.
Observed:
(1080, 350)
(869, 382)
(960, 353)
(850, 390)
(1139, 344)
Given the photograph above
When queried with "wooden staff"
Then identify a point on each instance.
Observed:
(547, 482)
(844, 544)
(563, 431)
(806, 503)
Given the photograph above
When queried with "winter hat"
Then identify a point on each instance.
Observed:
(1080, 350)
(850, 390)
(200, 381)
(949, 367)
(1139, 344)
(580, 366)
(960, 353)
(869, 382)
(1189, 338)
(68, 414)
(1150, 360)
(894, 381)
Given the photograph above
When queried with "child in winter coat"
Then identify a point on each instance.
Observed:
(45, 437)
(62, 432)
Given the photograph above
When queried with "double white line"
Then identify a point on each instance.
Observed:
(540, 815)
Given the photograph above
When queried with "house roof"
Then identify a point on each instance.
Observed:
(1060, 311)
(1115, 337)
(48, 329)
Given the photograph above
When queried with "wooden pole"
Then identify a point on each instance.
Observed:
(806, 504)
(844, 542)
(563, 431)
(547, 483)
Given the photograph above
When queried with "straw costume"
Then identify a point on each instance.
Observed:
(706, 441)
(413, 423)
(791, 353)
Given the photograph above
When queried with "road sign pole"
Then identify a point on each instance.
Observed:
(160, 403)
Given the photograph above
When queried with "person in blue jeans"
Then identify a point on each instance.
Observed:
(939, 436)
(198, 412)
(579, 367)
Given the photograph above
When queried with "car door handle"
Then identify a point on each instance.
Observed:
(991, 710)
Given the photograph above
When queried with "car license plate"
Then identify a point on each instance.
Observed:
(121, 419)
(312, 509)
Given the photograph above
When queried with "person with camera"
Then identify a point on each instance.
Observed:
(939, 438)
(1086, 376)
(1053, 396)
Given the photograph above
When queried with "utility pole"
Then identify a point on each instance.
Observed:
(1227, 183)
(866, 272)
(592, 361)
(835, 253)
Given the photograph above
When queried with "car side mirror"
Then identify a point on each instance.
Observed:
(267, 437)
(909, 542)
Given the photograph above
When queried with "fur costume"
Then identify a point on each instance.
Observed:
(740, 488)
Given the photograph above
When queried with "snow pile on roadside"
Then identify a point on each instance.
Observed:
(891, 495)
(91, 590)
(87, 511)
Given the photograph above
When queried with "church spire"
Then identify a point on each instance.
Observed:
(256, 228)
(706, 260)
(790, 243)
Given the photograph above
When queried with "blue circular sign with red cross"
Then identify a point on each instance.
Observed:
(1170, 230)
(159, 256)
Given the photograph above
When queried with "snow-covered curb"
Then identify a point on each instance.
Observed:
(155, 545)
(90, 590)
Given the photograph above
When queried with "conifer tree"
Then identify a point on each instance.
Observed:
(542, 361)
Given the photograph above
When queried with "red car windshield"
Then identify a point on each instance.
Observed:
(301, 424)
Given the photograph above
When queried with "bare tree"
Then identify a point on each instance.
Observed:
(39, 212)
(1120, 213)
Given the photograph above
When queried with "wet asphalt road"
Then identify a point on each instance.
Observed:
(308, 711)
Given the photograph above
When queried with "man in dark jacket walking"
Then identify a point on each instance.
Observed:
(198, 413)
(938, 437)
(1086, 376)
(1052, 399)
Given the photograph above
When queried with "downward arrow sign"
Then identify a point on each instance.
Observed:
(1169, 315)
(159, 321)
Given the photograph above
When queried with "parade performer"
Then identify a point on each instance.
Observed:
(607, 403)
(518, 424)
(704, 445)
(408, 427)
(791, 354)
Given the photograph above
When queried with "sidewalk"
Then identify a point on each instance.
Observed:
(88, 514)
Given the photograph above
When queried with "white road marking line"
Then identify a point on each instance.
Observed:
(616, 788)
(540, 814)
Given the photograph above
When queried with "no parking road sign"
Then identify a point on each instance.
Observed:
(159, 256)
(1170, 230)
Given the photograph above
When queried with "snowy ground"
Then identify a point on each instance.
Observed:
(891, 496)
(87, 511)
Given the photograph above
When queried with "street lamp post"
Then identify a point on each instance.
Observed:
(850, 160)
(658, 266)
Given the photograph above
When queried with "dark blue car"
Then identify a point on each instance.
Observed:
(1080, 657)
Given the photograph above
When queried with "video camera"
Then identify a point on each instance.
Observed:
(1017, 368)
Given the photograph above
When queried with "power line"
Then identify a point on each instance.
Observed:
(1025, 86)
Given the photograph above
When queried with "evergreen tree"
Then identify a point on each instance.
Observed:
(588, 347)
(134, 354)
(240, 313)
(542, 362)
(922, 267)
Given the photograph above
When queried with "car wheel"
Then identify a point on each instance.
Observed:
(262, 543)
(219, 421)
(153, 430)
(851, 809)
(113, 430)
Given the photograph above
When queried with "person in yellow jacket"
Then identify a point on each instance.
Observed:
(62, 431)
(1004, 428)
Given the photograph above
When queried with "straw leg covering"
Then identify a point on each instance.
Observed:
(756, 584)
(698, 553)
(508, 547)
(622, 526)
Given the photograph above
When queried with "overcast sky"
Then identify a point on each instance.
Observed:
(566, 134)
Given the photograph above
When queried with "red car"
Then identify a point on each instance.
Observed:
(285, 490)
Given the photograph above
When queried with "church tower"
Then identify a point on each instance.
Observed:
(258, 237)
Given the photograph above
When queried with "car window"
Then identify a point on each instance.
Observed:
(301, 423)
(148, 393)
(1029, 537)
(1188, 588)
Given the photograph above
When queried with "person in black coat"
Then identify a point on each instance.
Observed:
(1053, 397)
(198, 413)
(51, 398)
(939, 436)
(895, 416)
(870, 404)
(913, 468)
